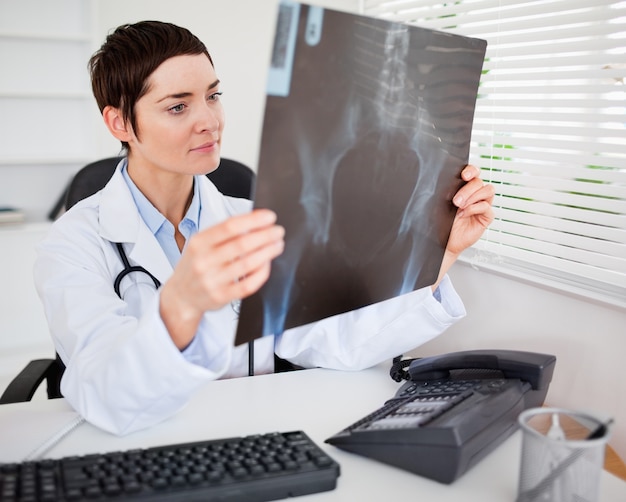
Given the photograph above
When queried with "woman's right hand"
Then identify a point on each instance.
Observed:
(227, 262)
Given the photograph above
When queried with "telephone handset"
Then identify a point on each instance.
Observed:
(531, 367)
(451, 412)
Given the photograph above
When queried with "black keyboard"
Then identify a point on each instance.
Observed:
(253, 468)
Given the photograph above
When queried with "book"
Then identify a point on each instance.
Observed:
(11, 215)
(366, 129)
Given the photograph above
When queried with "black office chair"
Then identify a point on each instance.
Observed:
(231, 178)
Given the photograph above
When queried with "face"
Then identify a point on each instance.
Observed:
(180, 119)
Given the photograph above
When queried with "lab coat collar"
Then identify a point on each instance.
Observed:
(120, 221)
(216, 207)
(208, 212)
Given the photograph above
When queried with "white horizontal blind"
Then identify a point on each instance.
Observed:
(549, 133)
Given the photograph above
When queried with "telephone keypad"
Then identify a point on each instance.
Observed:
(439, 388)
(418, 403)
(416, 411)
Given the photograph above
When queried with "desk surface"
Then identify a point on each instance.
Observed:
(321, 403)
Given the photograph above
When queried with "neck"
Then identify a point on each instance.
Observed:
(170, 193)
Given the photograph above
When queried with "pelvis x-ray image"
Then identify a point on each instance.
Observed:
(367, 127)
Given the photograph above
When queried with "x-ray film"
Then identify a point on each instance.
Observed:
(367, 127)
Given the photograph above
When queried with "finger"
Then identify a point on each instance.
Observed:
(240, 224)
(210, 243)
(470, 192)
(252, 282)
(240, 247)
(482, 211)
(246, 263)
(250, 273)
(470, 172)
(484, 191)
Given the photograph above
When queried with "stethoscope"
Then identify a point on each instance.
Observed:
(129, 269)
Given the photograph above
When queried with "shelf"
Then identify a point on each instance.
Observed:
(57, 37)
(38, 227)
(45, 95)
(47, 161)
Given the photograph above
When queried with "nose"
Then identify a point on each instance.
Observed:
(210, 118)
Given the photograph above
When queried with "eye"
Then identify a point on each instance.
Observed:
(214, 97)
(176, 109)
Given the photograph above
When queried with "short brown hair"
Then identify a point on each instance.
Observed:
(120, 68)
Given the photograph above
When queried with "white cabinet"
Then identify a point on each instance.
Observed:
(48, 118)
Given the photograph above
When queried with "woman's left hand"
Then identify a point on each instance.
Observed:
(475, 213)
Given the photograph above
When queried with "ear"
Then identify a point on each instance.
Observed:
(116, 124)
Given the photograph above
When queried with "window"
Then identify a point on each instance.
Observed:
(549, 133)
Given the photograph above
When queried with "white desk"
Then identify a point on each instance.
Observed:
(321, 403)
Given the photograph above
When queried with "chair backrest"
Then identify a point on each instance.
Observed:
(231, 178)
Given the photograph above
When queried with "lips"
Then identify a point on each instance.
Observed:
(205, 147)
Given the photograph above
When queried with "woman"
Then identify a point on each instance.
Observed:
(134, 359)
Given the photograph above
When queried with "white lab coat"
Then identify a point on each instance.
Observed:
(123, 371)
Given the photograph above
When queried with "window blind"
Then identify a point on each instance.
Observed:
(549, 133)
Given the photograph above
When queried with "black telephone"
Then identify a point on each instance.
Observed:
(453, 410)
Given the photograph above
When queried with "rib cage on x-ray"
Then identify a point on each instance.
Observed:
(361, 154)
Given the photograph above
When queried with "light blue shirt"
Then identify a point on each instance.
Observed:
(162, 229)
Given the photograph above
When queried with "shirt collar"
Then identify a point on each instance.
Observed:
(150, 214)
